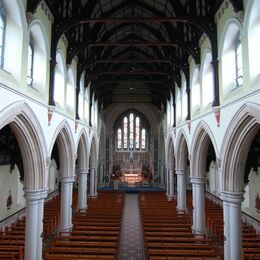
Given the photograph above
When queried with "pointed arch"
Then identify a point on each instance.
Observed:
(93, 152)
(170, 151)
(182, 150)
(64, 137)
(82, 147)
(236, 144)
(199, 148)
(30, 137)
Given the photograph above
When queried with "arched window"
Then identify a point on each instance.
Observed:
(195, 91)
(239, 62)
(207, 80)
(2, 33)
(137, 132)
(59, 83)
(70, 97)
(81, 100)
(178, 103)
(143, 139)
(125, 131)
(30, 63)
(131, 132)
(184, 101)
(119, 138)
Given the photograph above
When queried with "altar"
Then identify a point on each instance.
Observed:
(131, 171)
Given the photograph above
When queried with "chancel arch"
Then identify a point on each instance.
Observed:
(131, 152)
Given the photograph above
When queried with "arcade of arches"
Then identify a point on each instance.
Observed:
(100, 97)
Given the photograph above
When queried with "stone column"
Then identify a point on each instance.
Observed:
(34, 223)
(181, 190)
(198, 201)
(93, 184)
(232, 224)
(171, 182)
(82, 189)
(66, 203)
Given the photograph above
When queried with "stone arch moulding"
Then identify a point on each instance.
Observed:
(64, 137)
(93, 145)
(170, 152)
(31, 141)
(201, 139)
(82, 146)
(236, 144)
(181, 140)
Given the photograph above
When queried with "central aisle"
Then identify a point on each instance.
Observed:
(131, 238)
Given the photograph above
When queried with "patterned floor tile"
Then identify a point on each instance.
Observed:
(131, 237)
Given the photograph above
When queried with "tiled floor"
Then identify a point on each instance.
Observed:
(131, 242)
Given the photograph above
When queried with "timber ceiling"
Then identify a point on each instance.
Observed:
(133, 50)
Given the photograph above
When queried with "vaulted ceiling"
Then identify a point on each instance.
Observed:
(133, 50)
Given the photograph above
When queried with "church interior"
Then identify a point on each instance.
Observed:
(130, 129)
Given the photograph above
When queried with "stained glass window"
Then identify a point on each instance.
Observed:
(143, 139)
(137, 133)
(131, 131)
(119, 138)
(125, 131)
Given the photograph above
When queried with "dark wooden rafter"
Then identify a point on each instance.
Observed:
(109, 45)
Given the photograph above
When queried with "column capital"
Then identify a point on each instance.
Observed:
(67, 179)
(197, 180)
(181, 172)
(232, 197)
(83, 171)
(170, 167)
(34, 195)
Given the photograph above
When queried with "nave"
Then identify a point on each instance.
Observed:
(144, 225)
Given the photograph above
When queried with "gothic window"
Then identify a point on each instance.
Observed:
(143, 139)
(131, 133)
(30, 63)
(2, 33)
(137, 131)
(119, 138)
(238, 60)
(125, 132)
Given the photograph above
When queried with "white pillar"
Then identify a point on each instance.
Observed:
(181, 190)
(82, 189)
(171, 183)
(93, 184)
(34, 223)
(198, 200)
(232, 224)
(66, 203)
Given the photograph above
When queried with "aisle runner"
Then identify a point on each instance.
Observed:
(131, 243)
